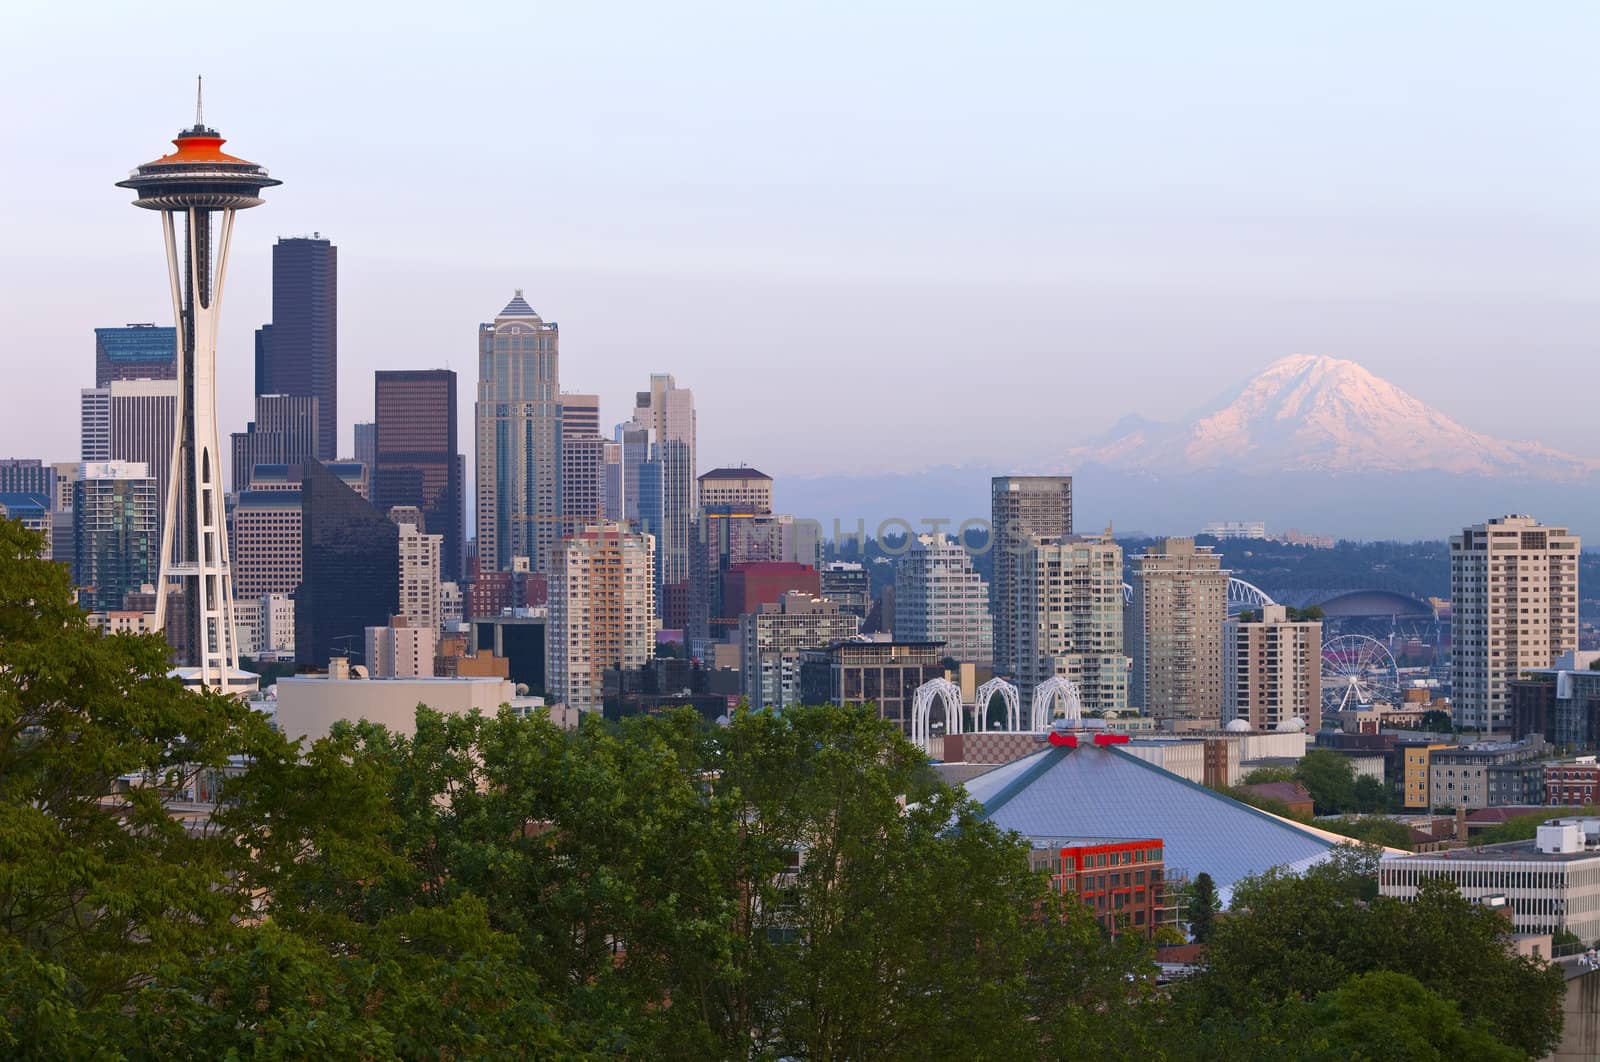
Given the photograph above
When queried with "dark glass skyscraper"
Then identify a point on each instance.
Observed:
(350, 569)
(135, 352)
(298, 353)
(415, 455)
(285, 432)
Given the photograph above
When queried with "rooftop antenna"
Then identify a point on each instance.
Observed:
(199, 102)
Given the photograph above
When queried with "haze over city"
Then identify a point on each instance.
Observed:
(866, 210)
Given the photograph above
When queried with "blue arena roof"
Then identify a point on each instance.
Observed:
(1103, 792)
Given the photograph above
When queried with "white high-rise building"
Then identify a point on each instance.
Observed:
(1069, 621)
(1272, 670)
(602, 612)
(939, 597)
(420, 555)
(1513, 606)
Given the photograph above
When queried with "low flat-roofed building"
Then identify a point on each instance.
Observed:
(308, 705)
(1551, 882)
(1121, 879)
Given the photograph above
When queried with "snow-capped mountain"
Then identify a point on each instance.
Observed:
(1309, 413)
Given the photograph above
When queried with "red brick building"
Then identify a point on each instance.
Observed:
(1122, 881)
(1571, 783)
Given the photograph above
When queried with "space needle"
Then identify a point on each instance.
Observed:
(202, 187)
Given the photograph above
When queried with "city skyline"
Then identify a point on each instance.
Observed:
(1274, 222)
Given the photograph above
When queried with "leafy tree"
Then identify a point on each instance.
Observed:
(1264, 775)
(1525, 827)
(1368, 795)
(1437, 720)
(1294, 938)
(1372, 829)
(1204, 903)
(1329, 779)
(1384, 1015)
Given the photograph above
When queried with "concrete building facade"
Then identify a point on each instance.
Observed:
(1174, 631)
(1514, 607)
(602, 612)
(940, 597)
(1021, 508)
(1272, 669)
(773, 639)
(1068, 618)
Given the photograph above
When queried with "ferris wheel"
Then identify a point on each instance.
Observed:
(1357, 670)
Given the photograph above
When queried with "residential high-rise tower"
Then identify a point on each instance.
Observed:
(1174, 631)
(1021, 509)
(1513, 606)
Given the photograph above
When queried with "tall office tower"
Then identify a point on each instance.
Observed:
(298, 353)
(135, 352)
(66, 476)
(773, 639)
(602, 612)
(367, 443)
(1513, 606)
(1021, 509)
(744, 488)
(206, 188)
(725, 537)
(266, 543)
(286, 431)
(131, 420)
(115, 544)
(611, 480)
(350, 568)
(518, 438)
(94, 424)
(668, 410)
(419, 568)
(266, 527)
(23, 475)
(1272, 670)
(580, 415)
(416, 454)
(1071, 623)
(583, 464)
(143, 414)
(1174, 631)
(640, 477)
(849, 584)
(940, 598)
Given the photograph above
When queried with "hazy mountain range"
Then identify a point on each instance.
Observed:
(1312, 442)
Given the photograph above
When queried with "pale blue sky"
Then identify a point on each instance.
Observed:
(867, 235)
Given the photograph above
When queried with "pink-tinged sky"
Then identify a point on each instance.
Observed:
(868, 235)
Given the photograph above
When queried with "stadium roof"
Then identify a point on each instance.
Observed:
(1104, 792)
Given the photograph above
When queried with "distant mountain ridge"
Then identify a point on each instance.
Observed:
(1312, 413)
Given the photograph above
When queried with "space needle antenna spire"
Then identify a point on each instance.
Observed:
(199, 101)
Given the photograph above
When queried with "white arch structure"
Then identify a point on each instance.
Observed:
(1241, 594)
(944, 691)
(1013, 702)
(1045, 696)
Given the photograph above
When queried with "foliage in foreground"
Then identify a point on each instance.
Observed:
(496, 887)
